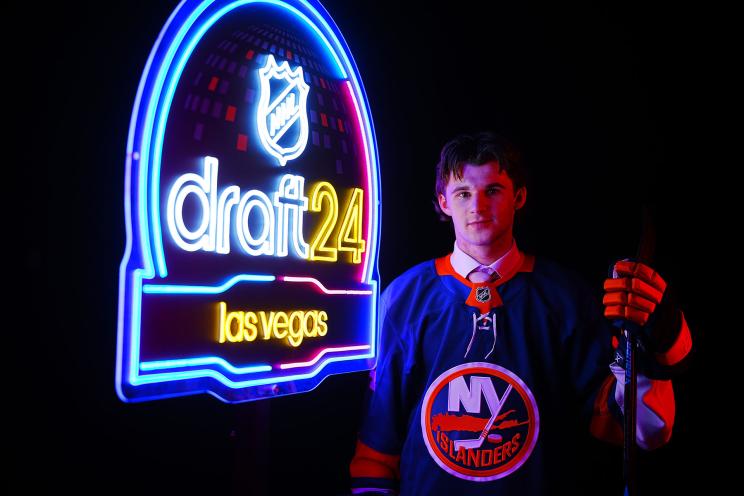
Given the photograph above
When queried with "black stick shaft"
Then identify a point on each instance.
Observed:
(646, 249)
(629, 444)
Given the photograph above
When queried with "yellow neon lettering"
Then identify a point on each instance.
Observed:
(350, 235)
(234, 337)
(266, 325)
(250, 330)
(296, 333)
(310, 332)
(291, 326)
(223, 310)
(318, 249)
(280, 322)
(322, 325)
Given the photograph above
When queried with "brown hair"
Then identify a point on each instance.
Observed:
(478, 149)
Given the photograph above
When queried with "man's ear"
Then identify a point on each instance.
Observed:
(443, 204)
(520, 197)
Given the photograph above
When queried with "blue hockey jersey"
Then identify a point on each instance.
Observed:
(484, 388)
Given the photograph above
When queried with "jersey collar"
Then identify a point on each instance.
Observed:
(463, 264)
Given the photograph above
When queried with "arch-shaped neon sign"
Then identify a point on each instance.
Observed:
(251, 207)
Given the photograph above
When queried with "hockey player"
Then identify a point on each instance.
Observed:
(493, 363)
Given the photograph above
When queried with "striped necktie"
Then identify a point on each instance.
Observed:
(483, 273)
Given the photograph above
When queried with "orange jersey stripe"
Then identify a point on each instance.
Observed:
(369, 462)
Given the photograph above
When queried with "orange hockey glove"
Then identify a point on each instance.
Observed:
(637, 298)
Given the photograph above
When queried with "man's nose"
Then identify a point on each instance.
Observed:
(480, 201)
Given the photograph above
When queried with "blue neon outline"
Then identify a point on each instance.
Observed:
(207, 360)
(153, 90)
(174, 77)
(136, 321)
(158, 110)
(187, 289)
(136, 379)
(215, 374)
(143, 153)
(361, 95)
(196, 374)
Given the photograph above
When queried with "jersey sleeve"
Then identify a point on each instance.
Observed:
(655, 404)
(375, 466)
(589, 355)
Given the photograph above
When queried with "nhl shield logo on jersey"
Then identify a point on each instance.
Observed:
(281, 118)
(479, 421)
(483, 294)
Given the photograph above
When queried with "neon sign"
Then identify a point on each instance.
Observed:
(213, 233)
(278, 113)
(252, 207)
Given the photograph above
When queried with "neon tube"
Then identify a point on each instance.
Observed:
(285, 366)
(320, 285)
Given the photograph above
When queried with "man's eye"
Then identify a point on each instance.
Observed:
(462, 194)
(493, 191)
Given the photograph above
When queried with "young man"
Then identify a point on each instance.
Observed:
(494, 364)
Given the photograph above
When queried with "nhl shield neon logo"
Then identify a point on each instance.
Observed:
(479, 421)
(282, 110)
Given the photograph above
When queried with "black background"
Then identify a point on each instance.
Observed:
(610, 104)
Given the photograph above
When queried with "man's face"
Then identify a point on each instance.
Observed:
(482, 206)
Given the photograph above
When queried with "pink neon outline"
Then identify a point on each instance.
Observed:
(323, 288)
(370, 193)
(322, 352)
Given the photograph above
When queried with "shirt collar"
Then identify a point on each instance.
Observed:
(464, 264)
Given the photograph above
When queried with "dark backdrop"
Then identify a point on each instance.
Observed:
(609, 104)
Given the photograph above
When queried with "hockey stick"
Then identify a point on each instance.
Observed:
(477, 442)
(646, 248)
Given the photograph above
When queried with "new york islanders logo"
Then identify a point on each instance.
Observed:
(282, 110)
(488, 440)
